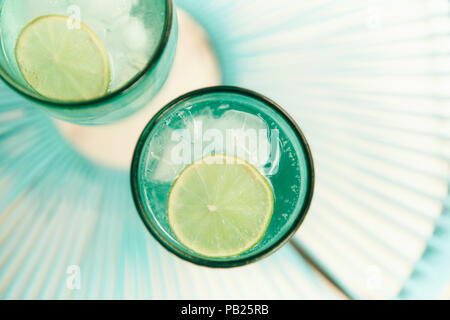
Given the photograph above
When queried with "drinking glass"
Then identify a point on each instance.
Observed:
(261, 133)
(139, 36)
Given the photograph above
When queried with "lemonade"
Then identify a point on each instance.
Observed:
(222, 177)
(87, 62)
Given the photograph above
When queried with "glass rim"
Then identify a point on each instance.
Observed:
(205, 261)
(164, 39)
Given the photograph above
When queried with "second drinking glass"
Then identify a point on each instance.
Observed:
(87, 62)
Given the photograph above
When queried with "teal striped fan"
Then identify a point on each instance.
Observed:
(367, 81)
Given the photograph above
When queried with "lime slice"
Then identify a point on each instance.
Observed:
(220, 206)
(61, 61)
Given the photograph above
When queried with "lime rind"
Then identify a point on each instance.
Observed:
(61, 63)
(239, 213)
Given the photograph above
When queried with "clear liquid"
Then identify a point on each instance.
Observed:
(127, 40)
(280, 164)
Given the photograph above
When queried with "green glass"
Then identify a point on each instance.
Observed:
(284, 159)
(139, 36)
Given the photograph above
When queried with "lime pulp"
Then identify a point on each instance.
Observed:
(62, 59)
(220, 206)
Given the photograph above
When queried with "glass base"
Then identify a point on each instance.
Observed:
(113, 144)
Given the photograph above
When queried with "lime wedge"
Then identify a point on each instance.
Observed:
(220, 206)
(61, 61)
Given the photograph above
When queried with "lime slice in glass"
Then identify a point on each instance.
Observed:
(62, 59)
(220, 206)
